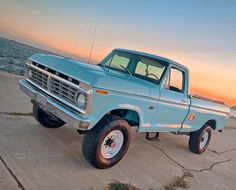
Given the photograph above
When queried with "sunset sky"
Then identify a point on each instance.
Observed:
(198, 34)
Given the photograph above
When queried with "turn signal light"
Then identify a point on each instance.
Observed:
(104, 92)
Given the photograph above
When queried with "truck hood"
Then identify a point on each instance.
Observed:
(95, 75)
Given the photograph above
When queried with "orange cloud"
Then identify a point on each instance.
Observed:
(222, 97)
(207, 79)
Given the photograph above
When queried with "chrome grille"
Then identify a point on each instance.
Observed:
(63, 90)
(55, 85)
(39, 78)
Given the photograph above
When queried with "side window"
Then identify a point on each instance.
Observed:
(176, 80)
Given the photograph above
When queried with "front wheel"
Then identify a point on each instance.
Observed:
(105, 144)
(199, 140)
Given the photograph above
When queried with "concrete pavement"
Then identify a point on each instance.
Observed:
(34, 157)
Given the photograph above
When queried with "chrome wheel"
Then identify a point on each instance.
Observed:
(204, 140)
(112, 144)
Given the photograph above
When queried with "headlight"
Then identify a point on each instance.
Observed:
(81, 100)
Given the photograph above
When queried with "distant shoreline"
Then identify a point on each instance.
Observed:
(23, 44)
(13, 55)
(68, 55)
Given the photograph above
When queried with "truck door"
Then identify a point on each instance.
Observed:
(173, 104)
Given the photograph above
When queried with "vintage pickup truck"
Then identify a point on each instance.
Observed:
(128, 88)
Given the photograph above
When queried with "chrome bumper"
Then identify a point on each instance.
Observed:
(63, 112)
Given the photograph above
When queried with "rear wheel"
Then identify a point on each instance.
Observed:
(46, 119)
(199, 140)
(105, 144)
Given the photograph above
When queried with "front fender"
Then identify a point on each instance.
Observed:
(105, 103)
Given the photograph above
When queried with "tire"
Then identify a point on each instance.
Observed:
(46, 119)
(106, 144)
(199, 140)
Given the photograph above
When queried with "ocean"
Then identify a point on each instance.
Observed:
(13, 55)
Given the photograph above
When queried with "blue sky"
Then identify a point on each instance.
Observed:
(199, 34)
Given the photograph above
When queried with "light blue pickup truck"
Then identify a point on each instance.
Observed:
(126, 89)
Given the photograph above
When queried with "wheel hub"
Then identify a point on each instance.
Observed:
(112, 144)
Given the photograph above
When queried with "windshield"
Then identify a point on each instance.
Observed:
(144, 67)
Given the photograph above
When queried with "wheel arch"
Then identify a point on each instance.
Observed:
(129, 115)
(212, 123)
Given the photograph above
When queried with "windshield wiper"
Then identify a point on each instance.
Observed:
(126, 70)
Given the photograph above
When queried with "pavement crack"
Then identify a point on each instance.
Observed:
(211, 166)
(219, 153)
(185, 170)
(12, 174)
(17, 113)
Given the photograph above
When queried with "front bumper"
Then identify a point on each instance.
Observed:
(47, 103)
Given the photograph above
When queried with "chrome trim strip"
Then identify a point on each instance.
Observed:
(209, 109)
(173, 103)
(127, 93)
(89, 102)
